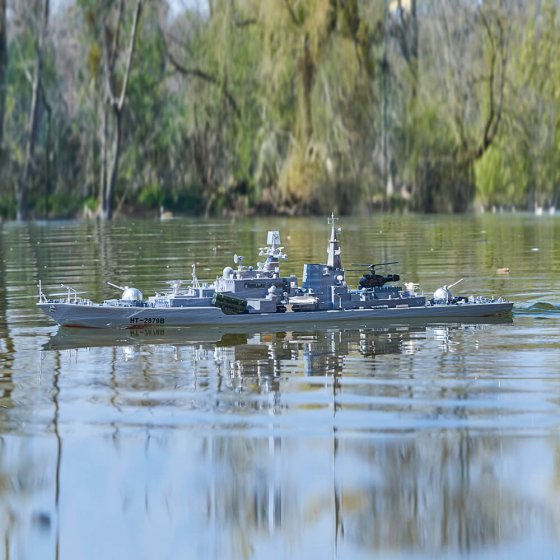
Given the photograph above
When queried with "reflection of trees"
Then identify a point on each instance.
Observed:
(425, 494)
(6, 342)
(246, 495)
(439, 492)
(444, 490)
(428, 494)
(22, 484)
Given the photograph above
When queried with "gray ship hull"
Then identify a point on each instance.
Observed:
(103, 316)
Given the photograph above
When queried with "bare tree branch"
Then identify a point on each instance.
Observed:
(32, 128)
(201, 74)
(498, 59)
(116, 36)
(245, 22)
(291, 12)
(109, 169)
(133, 34)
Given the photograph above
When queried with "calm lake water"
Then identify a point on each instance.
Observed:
(385, 441)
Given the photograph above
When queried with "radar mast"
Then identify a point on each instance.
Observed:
(333, 250)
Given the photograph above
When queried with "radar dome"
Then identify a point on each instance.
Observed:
(443, 294)
(132, 294)
(228, 272)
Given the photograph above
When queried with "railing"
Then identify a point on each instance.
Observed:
(70, 295)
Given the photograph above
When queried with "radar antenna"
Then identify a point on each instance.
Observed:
(333, 248)
(195, 282)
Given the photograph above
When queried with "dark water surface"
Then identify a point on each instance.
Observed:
(385, 441)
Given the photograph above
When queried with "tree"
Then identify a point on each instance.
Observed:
(461, 97)
(115, 96)
(318, 71)
(33, 119)
(287, 106)
(521, 167)
(215, 59)
(3, 69)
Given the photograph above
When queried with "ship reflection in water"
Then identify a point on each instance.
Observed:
(246, 348)
(324, 443)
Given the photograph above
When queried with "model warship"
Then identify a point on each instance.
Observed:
(248, 295)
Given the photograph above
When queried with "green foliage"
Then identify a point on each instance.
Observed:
(94, 59)
(293, 106)
(152, 196)
(440, 181)
(523, 167)
(7, 204)
(18, 97)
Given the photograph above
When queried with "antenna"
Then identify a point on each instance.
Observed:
(332, 219)
(194, 277)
